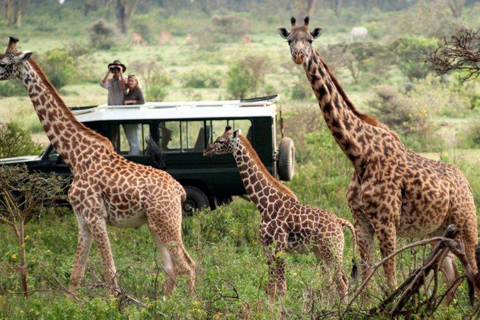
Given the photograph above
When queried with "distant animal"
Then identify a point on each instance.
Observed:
(286, 224)
(137, 39)
(358, 34)
(165, 37)
(188, 38)
(246, 39)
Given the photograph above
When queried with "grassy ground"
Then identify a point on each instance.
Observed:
(232, 272)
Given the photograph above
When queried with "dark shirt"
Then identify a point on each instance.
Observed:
(135, 94)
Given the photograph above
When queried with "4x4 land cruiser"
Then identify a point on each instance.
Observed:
(183, 130)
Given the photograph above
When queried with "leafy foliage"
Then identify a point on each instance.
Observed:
(104, 35)
(155, 79)
(59, 66)
(201, 78)
(14, 141)
(411, 52)
(247, 75)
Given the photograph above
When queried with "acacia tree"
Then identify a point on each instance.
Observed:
(14, 10)
(460, 52)
(456, 6)
(21, 193)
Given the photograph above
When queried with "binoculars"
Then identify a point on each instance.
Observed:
(114, 69)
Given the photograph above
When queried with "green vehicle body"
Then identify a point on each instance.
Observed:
(191, 126)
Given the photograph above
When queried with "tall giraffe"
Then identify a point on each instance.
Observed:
(107, 189)
(286, 224)
(394, 191)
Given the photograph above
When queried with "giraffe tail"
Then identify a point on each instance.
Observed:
(345, 223)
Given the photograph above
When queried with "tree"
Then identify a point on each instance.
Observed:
(460, 52)
(14, 10)
(14, 141)
(456, 6)
(21, 193)
(124, 10)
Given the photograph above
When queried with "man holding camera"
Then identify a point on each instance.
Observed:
(116, 85)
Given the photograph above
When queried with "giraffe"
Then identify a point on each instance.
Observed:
(107, 189)
(286, 224)
(394, 191)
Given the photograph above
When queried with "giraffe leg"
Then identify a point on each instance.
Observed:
(330, 253)
(365, 234)
(272, 283)
(387, 241)
(83, 249)
(175, 259)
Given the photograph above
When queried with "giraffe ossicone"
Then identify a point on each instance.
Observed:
(286, 224)
(394, 191)
(107, 189)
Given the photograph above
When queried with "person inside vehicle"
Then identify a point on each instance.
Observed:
(116, 85)
(134, 96)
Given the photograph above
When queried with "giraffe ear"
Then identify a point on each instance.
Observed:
(283, 32)
(236, 133)
(23, 56)
(316, 32)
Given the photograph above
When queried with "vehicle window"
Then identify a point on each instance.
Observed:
(183, 136)
(130, 138)
(218, 127)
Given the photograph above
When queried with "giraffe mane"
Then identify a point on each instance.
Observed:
(363, 116)
(56, 96)
(264, 170)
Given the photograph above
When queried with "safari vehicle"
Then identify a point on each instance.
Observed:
(183, 130)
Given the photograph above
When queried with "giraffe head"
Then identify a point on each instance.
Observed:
(224, 144)
(300, 39)
(12, 60)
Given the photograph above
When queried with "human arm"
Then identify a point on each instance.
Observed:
(123, 83)
(104, 83)
(135, 97)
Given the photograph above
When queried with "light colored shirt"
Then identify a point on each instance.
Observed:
(116, 94)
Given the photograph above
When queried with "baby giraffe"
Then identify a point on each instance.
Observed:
(286, 224)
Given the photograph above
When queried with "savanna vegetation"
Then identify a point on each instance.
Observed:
(209, 50)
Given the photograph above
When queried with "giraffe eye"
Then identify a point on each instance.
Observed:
(3, 64)
(289, 41)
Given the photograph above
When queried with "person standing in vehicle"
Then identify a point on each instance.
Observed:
(116, 85)
(135, 93)
(133, 96)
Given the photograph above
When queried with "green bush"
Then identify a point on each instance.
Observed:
(60, 67)
(410, 52)
(201, 78)
(154, 78)
(247, 75)
(14, 141)
(12, 89)
(104, 35)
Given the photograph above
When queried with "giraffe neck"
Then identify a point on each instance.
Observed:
(354, 132)
(69, 137)
(260, 185)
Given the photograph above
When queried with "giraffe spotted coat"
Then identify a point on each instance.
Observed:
(286, 224)
(106, 189)
(394, 191)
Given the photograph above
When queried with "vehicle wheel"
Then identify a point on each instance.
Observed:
(196, 200)
(286, 159)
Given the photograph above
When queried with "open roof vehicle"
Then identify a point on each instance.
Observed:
(183, 130)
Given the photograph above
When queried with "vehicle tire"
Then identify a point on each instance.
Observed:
(196, 200)
(220, 201)
(286, 159)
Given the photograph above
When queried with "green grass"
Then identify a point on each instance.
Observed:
(231, 268)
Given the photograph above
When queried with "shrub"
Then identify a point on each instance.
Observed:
(247, 75)
(103, 35)
(14, 141)
(408, 116)
(367, 62)
(60, 67)
(229, 28)
(201, 78)
(12, 89)
(471, 136)
(410, 52)
(154, 78)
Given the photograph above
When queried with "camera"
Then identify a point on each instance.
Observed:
(114, 69)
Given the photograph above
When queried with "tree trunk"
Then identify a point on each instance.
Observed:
(457, 7)
(124, 12)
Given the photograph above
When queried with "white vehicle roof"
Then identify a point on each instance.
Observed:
(259, 107)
